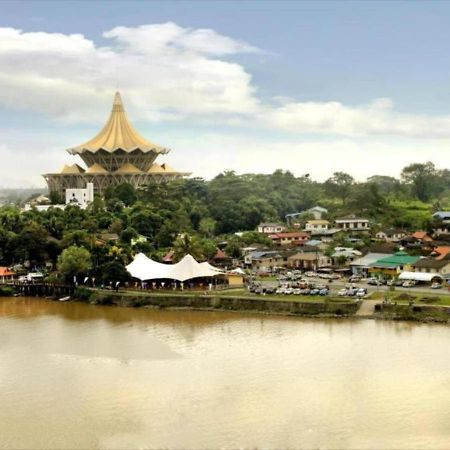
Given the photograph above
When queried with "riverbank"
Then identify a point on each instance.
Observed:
(236, 300)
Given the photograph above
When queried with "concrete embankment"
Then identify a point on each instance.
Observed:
(227, 303)
(414, 312)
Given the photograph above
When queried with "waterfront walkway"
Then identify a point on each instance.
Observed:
(367, 308)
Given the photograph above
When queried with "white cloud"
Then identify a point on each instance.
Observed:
(167, 72)
(164, 70)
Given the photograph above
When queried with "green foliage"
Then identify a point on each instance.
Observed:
(7, 291)
(74, 261)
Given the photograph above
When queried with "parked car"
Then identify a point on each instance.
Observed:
(362, 292)
(408, 283)
(305, 291)
(436, 285)
(354, 279)
(314, 292)
(297, 291)
(342, 292)
(324, 291)
(280, 291)
(289, 291)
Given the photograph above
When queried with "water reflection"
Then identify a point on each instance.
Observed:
(80, 376)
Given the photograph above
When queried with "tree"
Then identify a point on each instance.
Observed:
(74, 261)
(187, 245)
(422, 179)
(112, 272)
(340, 186)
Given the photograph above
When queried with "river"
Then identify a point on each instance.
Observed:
(81, 376)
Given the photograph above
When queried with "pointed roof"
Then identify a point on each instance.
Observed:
(96, 168)
(118, 133)
(167, 168)
(156, 168)
(128, 168)
(74, 168)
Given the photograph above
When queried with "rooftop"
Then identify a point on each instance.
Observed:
(118, 134)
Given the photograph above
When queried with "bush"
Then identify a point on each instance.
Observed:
(83, 294)
(7, 291)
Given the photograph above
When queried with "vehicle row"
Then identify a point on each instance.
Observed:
(305, 291)
(352, 292)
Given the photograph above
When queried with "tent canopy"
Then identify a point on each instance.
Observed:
(418, 276)
(145, 268)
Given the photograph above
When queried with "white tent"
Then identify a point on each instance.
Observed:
(238, 271)
(145, 268)
(419, 276)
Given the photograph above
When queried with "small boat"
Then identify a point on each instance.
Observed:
(64, 299)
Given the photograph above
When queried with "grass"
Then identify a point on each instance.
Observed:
(404, 297)
(237, 292)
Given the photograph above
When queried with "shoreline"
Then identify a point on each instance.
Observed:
(328, 308)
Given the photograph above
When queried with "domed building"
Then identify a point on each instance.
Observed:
(117, 154)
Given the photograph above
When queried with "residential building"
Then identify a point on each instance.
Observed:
(309, 261)
(391, 235)
(344, 254)
(317, 212)
(442, 215)
(422, 236)
(439, 267)
(6, 274)
(352, 224)
(290, 238)
(270, 228)
(316, 226)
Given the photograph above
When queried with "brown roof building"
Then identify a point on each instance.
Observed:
(117, 154)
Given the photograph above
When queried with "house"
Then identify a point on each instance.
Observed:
(221, 258)
(292, 238)
(316, 226)
(352, 223)
(317, 212)
(442, 215)
(309, 261)
(392, 265)
(441, 252)
(360, 266)
(344, 254)
(422, 237)
(439, 267)
(391, 235)
(6, 274)
(270, 228)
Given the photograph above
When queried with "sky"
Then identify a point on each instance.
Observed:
(250, 86)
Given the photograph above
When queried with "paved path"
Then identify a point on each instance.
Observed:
(367, 308)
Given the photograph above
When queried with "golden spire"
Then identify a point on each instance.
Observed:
(118, 133)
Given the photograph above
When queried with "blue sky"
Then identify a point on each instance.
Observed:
(306, 86)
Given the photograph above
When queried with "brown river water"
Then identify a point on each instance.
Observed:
(79, 376)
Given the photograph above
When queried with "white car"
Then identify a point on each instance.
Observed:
(342, 293)
(436, 285)
(408, 284)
